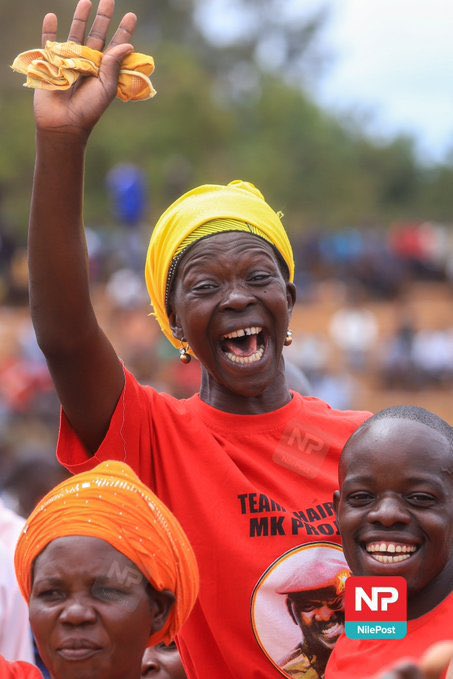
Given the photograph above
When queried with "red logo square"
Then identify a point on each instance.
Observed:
(375, 599)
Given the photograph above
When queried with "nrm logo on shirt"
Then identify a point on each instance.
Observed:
(376, 607)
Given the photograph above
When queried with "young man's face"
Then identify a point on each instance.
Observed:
(395, 509)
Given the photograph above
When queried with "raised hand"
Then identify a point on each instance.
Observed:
(77, 110)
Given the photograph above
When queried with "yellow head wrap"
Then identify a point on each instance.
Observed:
(239, 206)
(112, 504)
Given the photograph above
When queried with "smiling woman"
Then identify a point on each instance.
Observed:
(247, 465)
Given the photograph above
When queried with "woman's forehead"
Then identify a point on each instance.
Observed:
(62, 551)
(227, 245)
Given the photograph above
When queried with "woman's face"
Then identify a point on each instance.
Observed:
(91, 611)
(232, 305)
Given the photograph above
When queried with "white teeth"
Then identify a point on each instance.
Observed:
(254, 330)
(246, 359)
(382, 558)
(390, 548)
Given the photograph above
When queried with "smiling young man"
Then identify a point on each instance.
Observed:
(395, 512)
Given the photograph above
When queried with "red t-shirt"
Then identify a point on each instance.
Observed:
(253, 494)
(18, 670)
(362, 659)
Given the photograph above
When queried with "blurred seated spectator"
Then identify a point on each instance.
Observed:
(354, 330)
(29, 479)
(162, 662)
(15, 634)
(296, 379)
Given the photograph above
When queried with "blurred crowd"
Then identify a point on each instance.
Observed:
(364, 267)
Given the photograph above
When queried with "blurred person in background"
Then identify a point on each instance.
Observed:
(15, 634)
(162, 662)
(30, 477)
(354, 329)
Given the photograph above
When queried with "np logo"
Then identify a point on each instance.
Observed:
(376, 607)
(380, 598)
(300, 451)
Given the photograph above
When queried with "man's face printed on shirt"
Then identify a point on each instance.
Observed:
(319, 614)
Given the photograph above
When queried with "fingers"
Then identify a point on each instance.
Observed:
(49, 29)
(98, 32)
(125, 30)
(111, 62)
(435, 660)
(79, 21)
(403, 670)
(97, 36)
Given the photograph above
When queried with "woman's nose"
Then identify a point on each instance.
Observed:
(77, 611)
(237, 297)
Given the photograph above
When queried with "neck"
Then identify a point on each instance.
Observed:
(271, 398)
(432, 595)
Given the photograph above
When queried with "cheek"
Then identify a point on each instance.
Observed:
(174, 666)
(307, 619)
(441, 532)
(41, 620)
(138, 623)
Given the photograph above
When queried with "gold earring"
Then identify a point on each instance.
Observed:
(184, 355)
(288, 338)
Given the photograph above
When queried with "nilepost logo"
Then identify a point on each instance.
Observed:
(375, 607)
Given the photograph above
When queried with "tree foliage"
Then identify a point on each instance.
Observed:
(229, 105)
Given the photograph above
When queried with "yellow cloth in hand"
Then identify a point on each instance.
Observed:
(60, 64)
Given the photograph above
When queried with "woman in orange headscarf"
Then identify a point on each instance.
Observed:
(107, 571)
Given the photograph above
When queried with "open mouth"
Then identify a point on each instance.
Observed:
(390, 552)
(244, 345)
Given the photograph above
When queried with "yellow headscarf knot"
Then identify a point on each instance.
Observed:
(202, 212)
(60, 64)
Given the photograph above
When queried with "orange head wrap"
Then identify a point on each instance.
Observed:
(112, 504)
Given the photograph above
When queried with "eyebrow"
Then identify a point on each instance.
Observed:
(51, 581)
(412, 480)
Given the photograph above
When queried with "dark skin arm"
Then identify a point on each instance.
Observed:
(85, 368)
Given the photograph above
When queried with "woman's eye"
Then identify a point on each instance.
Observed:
(204, 286)
(107, 593)
(260, 277)
(50, 594)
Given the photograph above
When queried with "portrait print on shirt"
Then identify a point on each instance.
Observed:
(297, 609)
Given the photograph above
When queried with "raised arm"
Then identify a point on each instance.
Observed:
(86, 371)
